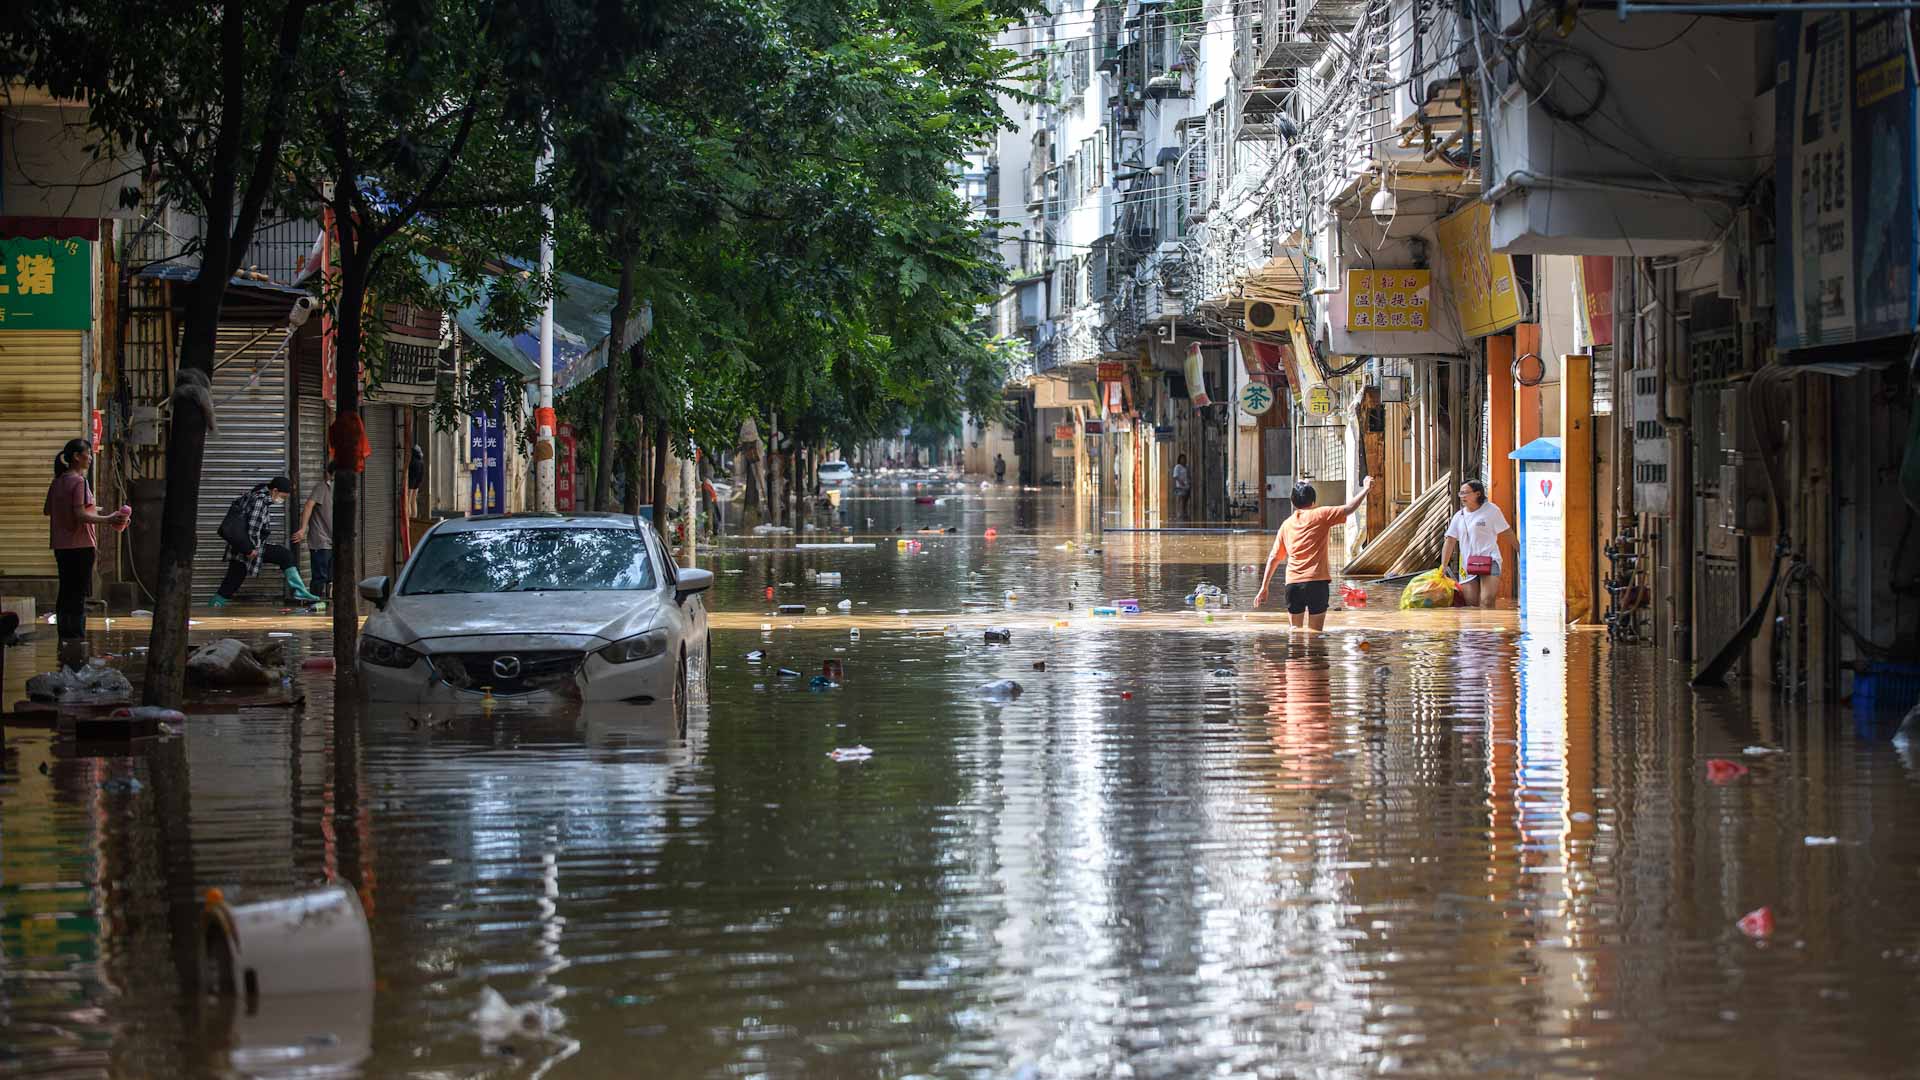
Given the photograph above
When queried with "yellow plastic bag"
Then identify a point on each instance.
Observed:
(1433, 589)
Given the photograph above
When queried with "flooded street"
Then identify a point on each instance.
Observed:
(1426, 843)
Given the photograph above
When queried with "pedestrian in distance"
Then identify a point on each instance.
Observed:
(316, 531)
(71, 517)
(1477, 535)
(999, 469)
(1182, 487)
(1302, 542)
(245, 531)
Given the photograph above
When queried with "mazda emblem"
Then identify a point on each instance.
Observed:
(507, 667)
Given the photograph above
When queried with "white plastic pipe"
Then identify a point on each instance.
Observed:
(543, 454)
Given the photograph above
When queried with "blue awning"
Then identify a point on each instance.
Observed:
(582, 328)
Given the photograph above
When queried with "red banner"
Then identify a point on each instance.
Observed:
(1596, 275)
(329, 286)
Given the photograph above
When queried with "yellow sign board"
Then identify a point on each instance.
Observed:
(1481, 282)
(1389, 301)
(1319, 401)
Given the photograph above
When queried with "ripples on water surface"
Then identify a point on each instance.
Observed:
(1428, 844)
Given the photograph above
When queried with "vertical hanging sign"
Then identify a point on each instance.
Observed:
(486, 456)
(1844, 179)
(563, 472)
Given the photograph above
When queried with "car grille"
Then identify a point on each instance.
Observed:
(538, 671)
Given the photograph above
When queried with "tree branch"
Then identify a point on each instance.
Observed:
(469, 114)
(266, 159)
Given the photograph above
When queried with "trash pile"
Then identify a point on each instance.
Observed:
(94, 684)
(229, 663)
(1206, 595)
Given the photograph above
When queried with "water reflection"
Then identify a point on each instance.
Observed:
(1432, 844)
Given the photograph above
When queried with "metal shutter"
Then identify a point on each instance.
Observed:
(377, 493)
(41, 407)
(250, 407)
(313, 428)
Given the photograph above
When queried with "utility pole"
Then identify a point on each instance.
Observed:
(544, 422)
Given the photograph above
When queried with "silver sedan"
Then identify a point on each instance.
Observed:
(534, 607)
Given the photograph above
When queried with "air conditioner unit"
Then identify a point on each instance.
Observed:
(1266, 315)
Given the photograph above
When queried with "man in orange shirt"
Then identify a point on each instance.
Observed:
(1302, 541)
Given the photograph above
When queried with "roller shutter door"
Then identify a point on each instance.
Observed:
(378, 492)
(41, 407)
(250, 406)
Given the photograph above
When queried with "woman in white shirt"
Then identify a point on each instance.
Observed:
(1478, 535)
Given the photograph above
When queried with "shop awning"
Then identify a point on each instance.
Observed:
(582, 328)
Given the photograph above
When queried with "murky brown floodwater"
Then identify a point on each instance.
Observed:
(1435, 844)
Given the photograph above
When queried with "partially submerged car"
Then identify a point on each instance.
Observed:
(533, 606)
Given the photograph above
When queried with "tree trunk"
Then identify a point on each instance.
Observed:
(346, 483)
(610, 385)
(166, 676)
(634, 453)
(660, 479)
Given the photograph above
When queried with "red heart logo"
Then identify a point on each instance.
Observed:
(1546, 488)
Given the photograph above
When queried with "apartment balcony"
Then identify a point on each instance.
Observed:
(1333, 16)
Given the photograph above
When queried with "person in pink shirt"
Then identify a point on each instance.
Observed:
(71, 517)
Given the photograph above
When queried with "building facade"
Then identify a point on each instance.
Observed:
(1476, 239)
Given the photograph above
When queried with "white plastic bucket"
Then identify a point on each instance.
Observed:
(311, 942)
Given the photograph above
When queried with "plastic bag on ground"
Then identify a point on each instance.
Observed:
(1433, 589)
(92, 684)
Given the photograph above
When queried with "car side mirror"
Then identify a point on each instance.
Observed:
(376, 589)
(689, 582)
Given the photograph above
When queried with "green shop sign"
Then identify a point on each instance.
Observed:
(46, 284)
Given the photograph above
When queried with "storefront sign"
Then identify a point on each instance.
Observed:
(46, 284)
(1112, 371)
(1096, 427)
(1256, 398)
(563, 470)
(1319, 401)
(1844, 179)
(1596, 284)
(1481, 281)
(1389, 301)
(1196, 370)
(1545, 579)
(486, 453)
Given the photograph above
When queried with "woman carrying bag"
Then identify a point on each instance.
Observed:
(1476, 534)
(245, 531)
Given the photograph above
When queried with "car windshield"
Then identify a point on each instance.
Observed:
(531, 560)
(834, 466)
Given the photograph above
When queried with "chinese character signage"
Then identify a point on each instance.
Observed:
(46, 284)
(486, 453)
(1596, 284)
(1479, 280)
(1110, 371)
(1319, 401)
(1256, 398)
(563, 472)
(1844, 178)
(1389, 301)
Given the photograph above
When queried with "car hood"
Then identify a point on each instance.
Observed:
(558, 616)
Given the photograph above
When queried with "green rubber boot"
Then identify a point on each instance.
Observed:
(299, 587)
(218, 601)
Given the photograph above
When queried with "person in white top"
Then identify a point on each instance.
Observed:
(1478, 535)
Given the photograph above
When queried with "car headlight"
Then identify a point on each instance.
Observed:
(650, 644)
(382, 653)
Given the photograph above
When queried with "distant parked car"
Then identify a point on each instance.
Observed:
(537, 606)
(835, 474)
